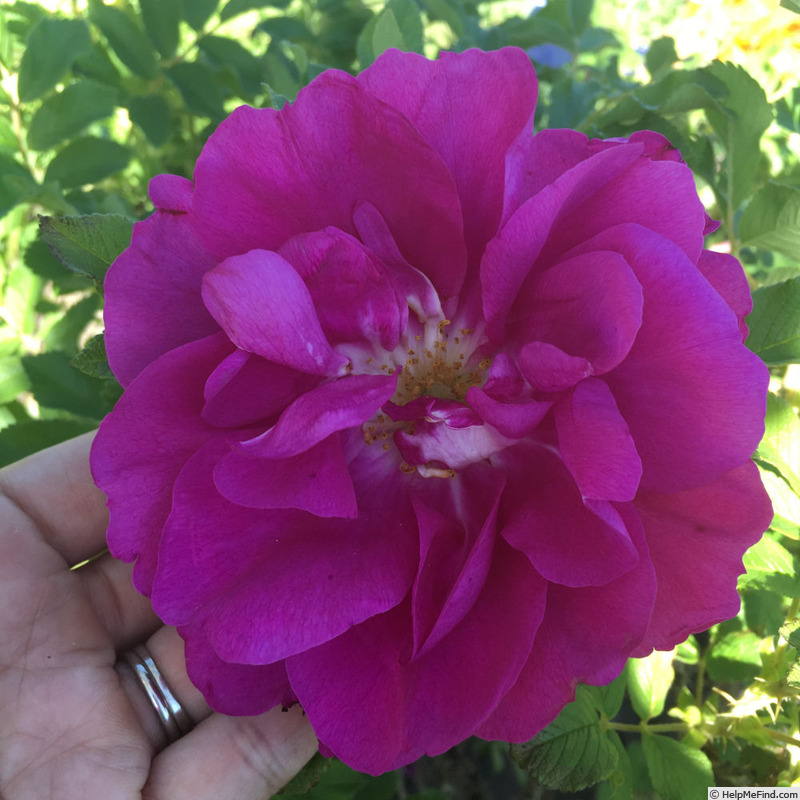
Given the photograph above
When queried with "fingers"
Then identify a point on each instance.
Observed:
(125, 614)
(241, 758)
(233, 758)
(56, 492)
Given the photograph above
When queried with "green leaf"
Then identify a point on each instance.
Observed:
(97, 64)
(387, 33)
(790, 631)
(235, 7)
(792, 5)
(620, 783)
(681, 91)
(161, 20)
(64, 335)
(13, 380)
(687, 652)
(69, 112)
(660, 55)
(93, 360)
(152, 114)
(52, 47)
(676, 770)
(57, 384)
(40, 260)
(197, 12)
(740, 134)
(764, 559)
(649, 680)
(572, 752)
(229, 53)
(26, 438)
(735, 657)
(772, 220)
(610, 697)
(126, 39)
(88, 159)
(286, 28)
(198, 87)
(775, 323)
(16, 183)
(763, 611)
(88, 245)
(448, 11)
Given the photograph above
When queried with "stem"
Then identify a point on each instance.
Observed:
(794, 608)
(701, 674)
(782, 737)
(643, 727)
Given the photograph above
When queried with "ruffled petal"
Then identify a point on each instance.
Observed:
(137, 471)
(153, 302)
(596, 444)
(233, 689)
(470, 107)
(331, 407)
(697, 539)
(408, 709)
(726, 275)
(265, 176)
(549, 369)
(689, 350)
(279, 582)
(589, 307)
(263, 305)
(353, 293)
(586, 636)
(512, 420)
(542, 515)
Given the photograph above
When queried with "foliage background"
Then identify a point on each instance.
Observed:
(97, 98)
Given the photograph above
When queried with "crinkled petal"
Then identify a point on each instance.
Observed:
(279, 582)
(470, 107)
(263, 305)
(144, 443)
(408, 709)
(586, 636)
(595, 443)
(265, 176)
(544, 517)
(688, 359)
(697, 539)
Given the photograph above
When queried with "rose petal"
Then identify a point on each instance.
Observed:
(688, 358)
(726, 275)
(608, 621)
(136, 472)
(406, 710)
(316, 480)
(470, 107)
(258, 180)
(152, 308)
(589, 306)
(331, 407)
(549, 369)
(354, 294)
(512, 420)
(278, 582)
(708, 528)
(543, 516)
(265, 308)
(595, 443)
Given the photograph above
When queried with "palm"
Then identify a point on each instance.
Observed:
(68, 725)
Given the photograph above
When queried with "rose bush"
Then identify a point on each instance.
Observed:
(428, 418)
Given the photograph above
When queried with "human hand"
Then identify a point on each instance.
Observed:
(71, 725)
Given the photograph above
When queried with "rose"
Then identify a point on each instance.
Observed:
(428, 418)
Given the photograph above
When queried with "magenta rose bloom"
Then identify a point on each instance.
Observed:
(428, 418)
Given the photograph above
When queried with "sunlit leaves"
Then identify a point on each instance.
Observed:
(649, 680)
(775, 323)
(52, 47)
(126, 39)
(87, 160)
(772, 220)
(676, 770)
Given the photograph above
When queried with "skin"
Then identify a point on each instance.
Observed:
(71, 725)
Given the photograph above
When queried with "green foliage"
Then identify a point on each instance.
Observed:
(107, 95)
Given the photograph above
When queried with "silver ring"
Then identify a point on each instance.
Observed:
(174, 718)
